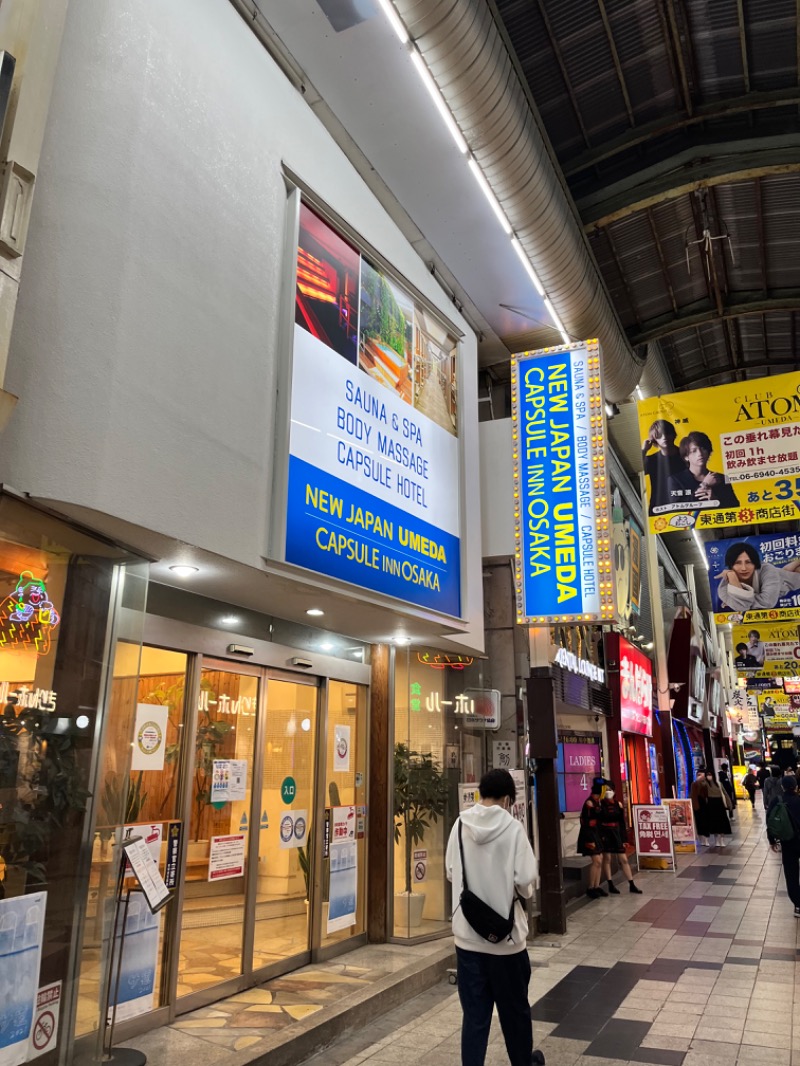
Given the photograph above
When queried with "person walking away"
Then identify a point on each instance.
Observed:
(725, 781)
(614, 836)
(772, 786)
(718, 824)
(750, 784)
(590, 843)
(790, 846)
(499, 864)
(698, 794)
(762, 773)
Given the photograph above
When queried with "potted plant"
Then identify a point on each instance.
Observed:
(42, 790)
(420, 798)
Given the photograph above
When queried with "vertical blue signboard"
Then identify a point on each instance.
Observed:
(561, 495)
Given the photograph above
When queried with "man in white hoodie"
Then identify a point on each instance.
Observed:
(500, 863)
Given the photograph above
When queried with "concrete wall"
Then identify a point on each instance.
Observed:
(145, 349)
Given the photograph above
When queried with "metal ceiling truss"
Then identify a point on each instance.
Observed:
(742, 304)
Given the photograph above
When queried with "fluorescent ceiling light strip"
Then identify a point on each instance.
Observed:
(565, 337)
(490, 196)
(699, 543)
(527, 264)
(438, 99)
(558, 323)
(394, 19)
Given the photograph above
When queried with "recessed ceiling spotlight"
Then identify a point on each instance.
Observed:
(315, 612)
(182, 570)
(230, 620)
(326, 645)
(402, 640)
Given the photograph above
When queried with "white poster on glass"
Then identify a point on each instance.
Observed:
(149, 737)
(226, 857)
(21, 934)
(343, 886)
(341, 749)
(228, 780)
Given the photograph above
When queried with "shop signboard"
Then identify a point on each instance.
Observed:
(562, 498)
(579, 762)
(653, 831)
(374, 467)
(21, 933)
(681, 819)
(635, 690)
(767, 650)
(724, 456)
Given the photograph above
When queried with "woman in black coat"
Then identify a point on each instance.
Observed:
(589, 842)
(614, 835)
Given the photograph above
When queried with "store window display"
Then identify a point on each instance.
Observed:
(445, 714)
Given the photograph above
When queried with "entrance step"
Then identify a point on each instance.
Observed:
(290, 1018)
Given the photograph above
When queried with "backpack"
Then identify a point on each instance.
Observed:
(780, 822)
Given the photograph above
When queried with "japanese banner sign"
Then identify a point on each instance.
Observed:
(725, 456)
(755, 579)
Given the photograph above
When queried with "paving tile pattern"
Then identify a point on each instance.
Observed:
(701, 969)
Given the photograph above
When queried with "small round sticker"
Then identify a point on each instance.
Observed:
(149, 738)
(299, 828)
(341, 747)
(287, 828)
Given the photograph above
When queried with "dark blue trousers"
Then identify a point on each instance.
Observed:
(483, 981)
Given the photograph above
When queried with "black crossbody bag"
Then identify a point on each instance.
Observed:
(484, 919)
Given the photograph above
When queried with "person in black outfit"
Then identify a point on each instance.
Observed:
(789, 849)
(661, 464)
(750, 784)
(590, 843)
(762, 774)
(696, 482)
(724, 779)
(614, 834)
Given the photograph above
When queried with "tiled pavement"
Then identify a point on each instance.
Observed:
(699, 970)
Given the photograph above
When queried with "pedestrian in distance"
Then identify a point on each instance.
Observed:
(614, 838)
(783, 833)
(490, 857)
(698, 794)
(717, 823)
(750, 784)
(725, 781)
(590, 843)
(772, 786)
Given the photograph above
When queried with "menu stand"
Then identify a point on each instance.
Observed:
(156, 894)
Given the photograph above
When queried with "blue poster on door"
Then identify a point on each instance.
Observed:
(137, 976)
(344, 882)
(21, 932)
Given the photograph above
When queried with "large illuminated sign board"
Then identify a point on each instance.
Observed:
(374, 457)
(562, 505)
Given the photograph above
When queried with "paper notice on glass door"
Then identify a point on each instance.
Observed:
(341, 749)
(228, 780)
(21, 933)
(149, 737)
(343, 886)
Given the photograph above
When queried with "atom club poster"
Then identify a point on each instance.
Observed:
(724, 456)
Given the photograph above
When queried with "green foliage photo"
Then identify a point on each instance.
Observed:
(381, 316)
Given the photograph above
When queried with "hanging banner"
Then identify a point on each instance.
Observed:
(768, 650)
(755, 579)
(374, 457)
(653, 832)
(681, 819)
(21, 934)
(562, 505)
(343, 886)
(149, 737)
(725, 456)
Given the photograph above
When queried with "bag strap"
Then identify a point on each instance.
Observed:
(463, 867)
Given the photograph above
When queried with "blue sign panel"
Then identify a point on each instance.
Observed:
(562, 509)
(374, 457)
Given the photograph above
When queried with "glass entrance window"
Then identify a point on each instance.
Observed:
(285, 817)
(345, 865)
(212, 923)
